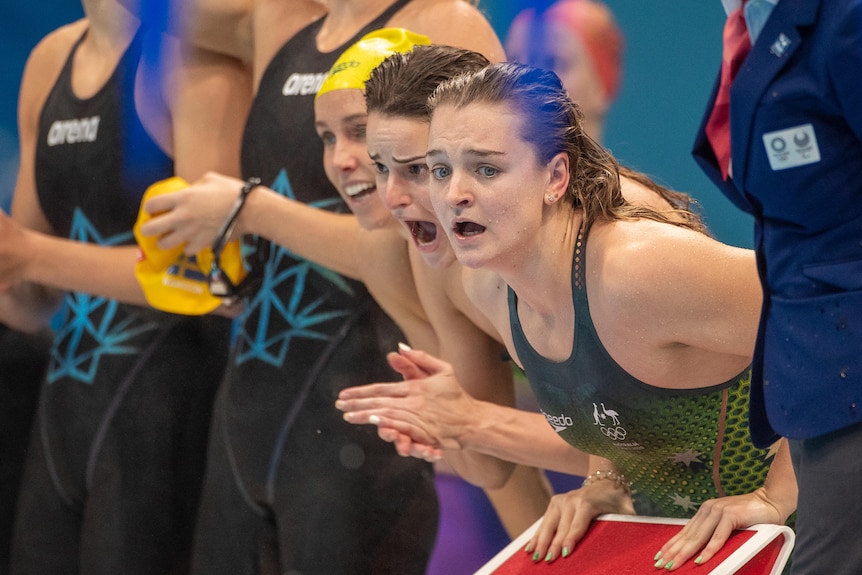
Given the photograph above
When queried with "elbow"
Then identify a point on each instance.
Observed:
(491, 474)
(29, 324)
(31, 313)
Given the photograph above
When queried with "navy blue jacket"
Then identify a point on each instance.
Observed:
(796, 144)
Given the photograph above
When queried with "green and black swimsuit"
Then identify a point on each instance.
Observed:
(678, 447)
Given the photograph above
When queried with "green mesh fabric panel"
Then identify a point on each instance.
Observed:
(672, 447)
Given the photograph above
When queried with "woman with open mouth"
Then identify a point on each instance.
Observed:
(634, 327)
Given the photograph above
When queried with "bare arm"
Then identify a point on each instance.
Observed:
(193, 216)
(387, 271)
(223, 26)
(673, 307)
(452, 22)
(25, 305)
(479, 363)
(436, 413)
(714, 297)
(719, 286)
(522, 437)
(210, 97)
(36, 256)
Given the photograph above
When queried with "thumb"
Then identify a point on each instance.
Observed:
(427, 363)
(404, 366)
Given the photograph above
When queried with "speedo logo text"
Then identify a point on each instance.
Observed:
(559, 422)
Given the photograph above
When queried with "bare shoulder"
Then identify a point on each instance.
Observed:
(389, 278)
(637, 193)
(452, 22)
(276, 22)
(386, 268)
(385, 250)
(223, 26)
(49, 55)
(644, 260)
(43, 66)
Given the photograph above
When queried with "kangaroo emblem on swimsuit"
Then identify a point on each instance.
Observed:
(612, 429)
(605, 413)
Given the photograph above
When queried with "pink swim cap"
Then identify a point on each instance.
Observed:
(595, 26)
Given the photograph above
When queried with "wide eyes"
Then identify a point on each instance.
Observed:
(488, 171)
(412, 170)
(417, 170)
(440, 172)
(381, 168)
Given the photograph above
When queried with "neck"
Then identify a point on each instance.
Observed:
(346, 17)
(111, 25)
(542, 277)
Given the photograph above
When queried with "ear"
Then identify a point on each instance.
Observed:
(558, 178)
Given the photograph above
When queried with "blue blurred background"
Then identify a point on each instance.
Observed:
(672, 55)
(671, 58)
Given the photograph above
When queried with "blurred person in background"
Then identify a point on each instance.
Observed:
(579, 41)
(115, 459)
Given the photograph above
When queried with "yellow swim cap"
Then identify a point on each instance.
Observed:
(171, 280)
(354, 66)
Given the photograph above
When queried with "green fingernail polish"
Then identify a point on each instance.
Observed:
(658, 563)
(669, 565)
(528, 548)
(565, 551)
(699, 560)
(549, 556)
(536, 556)
(657, 556)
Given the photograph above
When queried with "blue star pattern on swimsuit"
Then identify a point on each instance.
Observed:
(300, 316)
(91, 327)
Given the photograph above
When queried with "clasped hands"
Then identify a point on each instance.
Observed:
(429, 412)
(422, 415)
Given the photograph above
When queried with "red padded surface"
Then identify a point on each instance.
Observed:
(628, 548)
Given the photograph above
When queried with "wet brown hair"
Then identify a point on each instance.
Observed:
(402, 83)
(552, 123)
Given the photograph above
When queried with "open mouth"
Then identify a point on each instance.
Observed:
(468, 229)
(360, 190)
(424, 233)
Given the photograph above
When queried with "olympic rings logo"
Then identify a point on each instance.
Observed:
(614, 433)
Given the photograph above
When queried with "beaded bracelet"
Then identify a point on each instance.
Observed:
(619, 478)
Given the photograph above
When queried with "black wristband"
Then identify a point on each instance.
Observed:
(230, 222)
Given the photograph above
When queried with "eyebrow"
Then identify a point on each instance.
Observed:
(408, 159)
(470, 152)
(354, 119)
